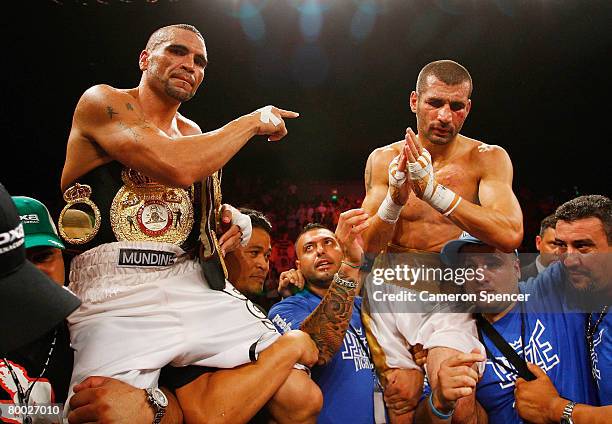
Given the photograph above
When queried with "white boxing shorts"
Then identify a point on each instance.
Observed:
(395, 321)
(145, 305)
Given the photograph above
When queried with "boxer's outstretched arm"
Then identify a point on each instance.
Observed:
(498, 220)
(114, 124)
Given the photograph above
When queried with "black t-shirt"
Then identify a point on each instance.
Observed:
(28, 362)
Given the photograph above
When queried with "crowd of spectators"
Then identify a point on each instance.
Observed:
(289, 205)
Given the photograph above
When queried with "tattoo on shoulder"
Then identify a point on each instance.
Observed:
(129, 106)
(131, 130)
(110, 112)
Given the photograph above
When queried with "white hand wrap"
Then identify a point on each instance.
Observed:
(267, 116)
(397, 176)
(425, 186)
(244, 223)
(388, 211)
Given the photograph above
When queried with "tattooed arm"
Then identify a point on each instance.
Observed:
(327, 324)
(109, 124)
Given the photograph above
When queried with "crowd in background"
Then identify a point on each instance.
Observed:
(289, 205)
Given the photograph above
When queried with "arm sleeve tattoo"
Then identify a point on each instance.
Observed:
(328, 323)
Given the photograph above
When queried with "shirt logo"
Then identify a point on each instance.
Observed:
(136, 257)
(537, 352)
(42, 392)
(353, 350)
(595, 357)
(281, 323)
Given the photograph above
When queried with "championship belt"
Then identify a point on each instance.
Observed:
(145, 210)
(212, 262)
(79, 221)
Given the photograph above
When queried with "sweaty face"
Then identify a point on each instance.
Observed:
(319, 256)
(248, 266)
(547, 246)
(176, 64)
(441, 109)
(49, 260)
(585, 253)
(498, 274)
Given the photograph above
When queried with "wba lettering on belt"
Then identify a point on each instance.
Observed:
(138, 257)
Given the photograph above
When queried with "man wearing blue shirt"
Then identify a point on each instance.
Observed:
(534, 321)
(584, 234)
(329, 310)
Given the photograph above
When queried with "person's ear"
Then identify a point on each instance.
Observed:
(143, 60)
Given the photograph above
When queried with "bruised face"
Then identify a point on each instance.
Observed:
(319, 256)
(175, 64)
(585, 253)
(49, 260)
(499, 273)
(441, 109)
(248, 266)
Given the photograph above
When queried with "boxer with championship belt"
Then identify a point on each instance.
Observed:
(422, 192)
(132, 173)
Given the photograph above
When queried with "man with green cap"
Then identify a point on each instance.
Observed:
(42, 243)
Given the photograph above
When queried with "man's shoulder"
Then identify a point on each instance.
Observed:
(103, 89)
(483, 152)
(303, 299)
(393, 148)
(99, 94)
(382, 156)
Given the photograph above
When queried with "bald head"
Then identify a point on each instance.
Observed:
(163, 33)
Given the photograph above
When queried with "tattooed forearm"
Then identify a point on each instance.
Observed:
(328, 323)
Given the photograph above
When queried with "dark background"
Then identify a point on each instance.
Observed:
(540, 71)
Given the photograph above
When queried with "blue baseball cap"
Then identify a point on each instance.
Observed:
(450, 251)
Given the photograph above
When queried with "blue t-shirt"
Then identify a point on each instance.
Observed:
(348, 380)
(602, 357)
(554, 337)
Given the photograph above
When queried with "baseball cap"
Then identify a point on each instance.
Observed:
(31, 304)
(450, 251)
(37, 223)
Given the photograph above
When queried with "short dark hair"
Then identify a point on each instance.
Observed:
(589, 206)
(258, 219)
(309, 227)
(549, 222)
(159, 34)
(447, 71)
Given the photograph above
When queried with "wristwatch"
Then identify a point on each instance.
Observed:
(345, 283)
(566, 418)
(158, 401)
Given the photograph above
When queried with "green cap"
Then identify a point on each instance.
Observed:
(37, 223)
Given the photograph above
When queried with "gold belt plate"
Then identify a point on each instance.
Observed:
(143, 210)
